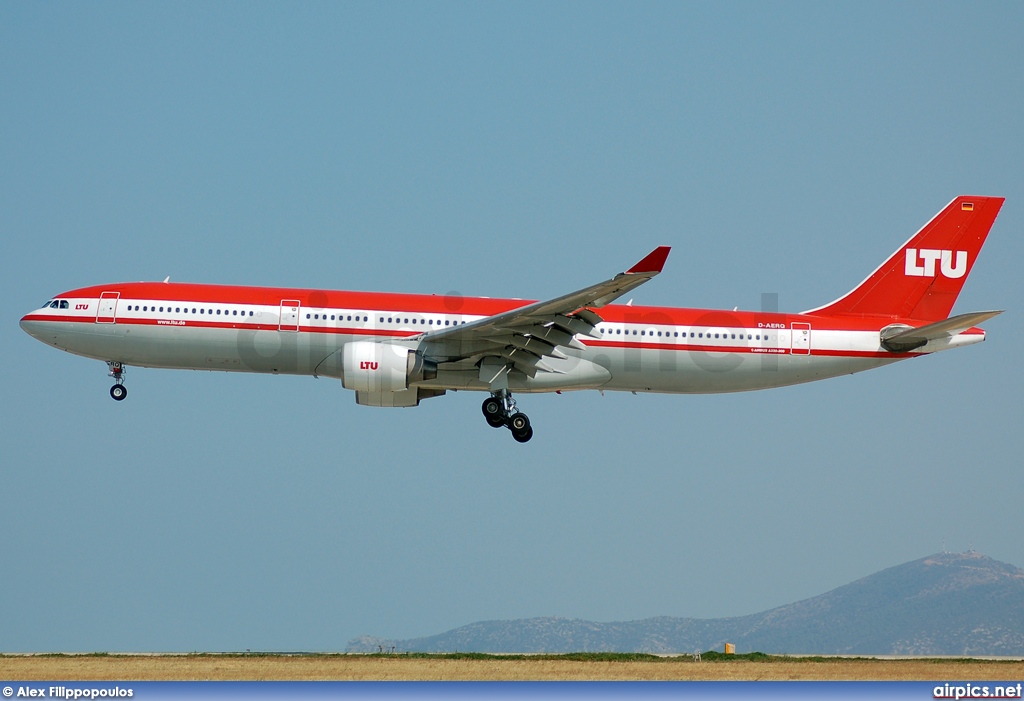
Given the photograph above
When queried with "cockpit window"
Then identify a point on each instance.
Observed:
(54, 304)
(64, 304)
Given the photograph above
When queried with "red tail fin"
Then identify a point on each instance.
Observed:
(922, 279)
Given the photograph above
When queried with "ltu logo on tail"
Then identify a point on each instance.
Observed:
(922, 263)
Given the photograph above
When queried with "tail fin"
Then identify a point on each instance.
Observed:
(923, 278)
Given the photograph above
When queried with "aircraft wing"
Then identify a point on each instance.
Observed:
(523, 337)
(902, 340)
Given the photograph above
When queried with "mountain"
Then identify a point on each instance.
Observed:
(945, 604)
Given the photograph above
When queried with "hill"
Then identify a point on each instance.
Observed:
(944, 604)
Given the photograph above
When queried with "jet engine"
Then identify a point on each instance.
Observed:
(369, 366)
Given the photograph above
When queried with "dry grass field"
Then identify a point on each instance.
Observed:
(444, 668)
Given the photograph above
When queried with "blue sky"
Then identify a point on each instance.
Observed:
(522, 150)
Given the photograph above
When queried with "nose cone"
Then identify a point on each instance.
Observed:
(31, 327)
(36, 326)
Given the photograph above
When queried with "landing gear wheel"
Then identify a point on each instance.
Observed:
(500, 410)
(494, 412)
(518, 423)
(523, 436)
(118, 391)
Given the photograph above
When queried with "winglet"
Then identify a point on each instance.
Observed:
(653, 263)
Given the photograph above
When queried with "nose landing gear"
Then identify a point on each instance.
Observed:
(500, 410)
(118, 391)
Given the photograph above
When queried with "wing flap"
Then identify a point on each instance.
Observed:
(524, 337)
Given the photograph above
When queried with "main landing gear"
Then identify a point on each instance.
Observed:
(118, 391)
(500, 410)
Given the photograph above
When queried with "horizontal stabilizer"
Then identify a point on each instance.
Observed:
(902, 339)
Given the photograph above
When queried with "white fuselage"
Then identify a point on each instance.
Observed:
(641, 349)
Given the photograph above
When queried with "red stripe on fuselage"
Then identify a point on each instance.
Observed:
(756, 350)
(387, 302)
(273, 296)
(189, 323)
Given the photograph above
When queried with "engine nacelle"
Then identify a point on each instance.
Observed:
(368, 366)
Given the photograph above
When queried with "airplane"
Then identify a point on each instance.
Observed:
(395, 350)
